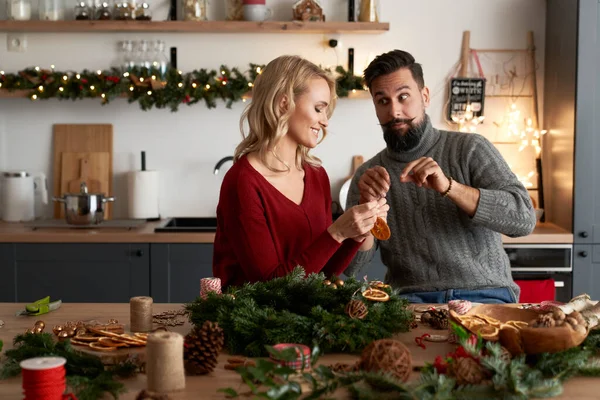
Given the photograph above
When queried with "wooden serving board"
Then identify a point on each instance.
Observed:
(80, 138)
(115, 356)
(526, 339)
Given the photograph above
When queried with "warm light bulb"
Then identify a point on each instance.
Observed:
(60, 89)
(65, 77)
(207, 86)
(99, 72)
(222, 72)
(153, 77)
(142, 79)
(131, 88)
(78, 76)
(224, 83)
(180, 84)
(353, 90)
(250, 84)
(37, 68)
(52, 66)
(149, 92)
(41, 88)
(34, 97)
(258, 70)
(103, 95)
(126, 74)
(194, 85)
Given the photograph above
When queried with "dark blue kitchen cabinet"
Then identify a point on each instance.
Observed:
(74, 272)
(176, 270)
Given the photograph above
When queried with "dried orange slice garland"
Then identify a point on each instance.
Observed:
(381, 230)
(375, 295)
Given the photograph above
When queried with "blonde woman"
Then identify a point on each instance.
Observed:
(274, 210)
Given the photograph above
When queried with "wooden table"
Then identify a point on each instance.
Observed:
(206, 386)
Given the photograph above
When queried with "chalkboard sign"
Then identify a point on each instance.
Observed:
(464, 91)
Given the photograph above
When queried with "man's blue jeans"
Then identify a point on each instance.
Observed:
(499, 295)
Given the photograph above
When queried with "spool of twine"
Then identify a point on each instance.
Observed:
(164, 362)
(140, 314)
(44, 378)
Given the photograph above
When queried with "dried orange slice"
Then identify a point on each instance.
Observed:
(379, 285)
(487, 332)
(381, 230)
(99, 347)
(375, 295)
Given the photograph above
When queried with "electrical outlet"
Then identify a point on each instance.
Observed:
(16, 43)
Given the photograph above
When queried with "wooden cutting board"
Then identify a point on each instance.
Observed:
(80, 138)
(91, 168)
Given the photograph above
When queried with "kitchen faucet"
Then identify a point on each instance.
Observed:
(221, 162)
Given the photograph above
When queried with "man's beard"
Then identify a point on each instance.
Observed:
(398, 142)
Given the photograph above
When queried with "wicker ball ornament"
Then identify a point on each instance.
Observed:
(387, 355)
(356, 309)
(467, 371)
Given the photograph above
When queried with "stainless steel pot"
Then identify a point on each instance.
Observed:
(84, 208)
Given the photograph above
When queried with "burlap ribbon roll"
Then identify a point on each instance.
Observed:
(140, 314)
(164, 362)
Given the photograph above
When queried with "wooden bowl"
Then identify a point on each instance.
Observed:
(524, 340)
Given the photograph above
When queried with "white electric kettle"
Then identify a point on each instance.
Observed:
(22, 196)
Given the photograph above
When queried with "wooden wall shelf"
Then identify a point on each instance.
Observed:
(195, 26)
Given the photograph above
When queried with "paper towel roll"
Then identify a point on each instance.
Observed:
(143, 194)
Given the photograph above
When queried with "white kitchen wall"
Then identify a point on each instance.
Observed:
(184, 146)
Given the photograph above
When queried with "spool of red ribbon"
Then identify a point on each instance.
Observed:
(209, 285)
(44, 379)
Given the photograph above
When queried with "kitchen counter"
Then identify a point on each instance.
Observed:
(577, 388)
(20, 233)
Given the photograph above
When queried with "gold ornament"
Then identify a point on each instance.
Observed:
(326, 282)
(29, 331)
(40, 324)
(339, 282)
(63, 334)
(70, 332)
(38, 329)
(57, 329)
(333, 286)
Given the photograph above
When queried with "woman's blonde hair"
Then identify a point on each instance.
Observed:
(284, 76)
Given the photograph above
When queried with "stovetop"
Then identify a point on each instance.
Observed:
(107, 224)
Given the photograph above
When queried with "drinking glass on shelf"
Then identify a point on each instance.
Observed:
(51, 10)
(160, 61)
(142, 57)
(19, 10)
(126, 61)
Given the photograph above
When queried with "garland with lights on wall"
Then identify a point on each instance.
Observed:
(148, 88)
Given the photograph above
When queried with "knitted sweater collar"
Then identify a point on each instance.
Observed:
(429, 139)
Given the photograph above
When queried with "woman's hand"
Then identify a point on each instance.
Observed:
(358, 220)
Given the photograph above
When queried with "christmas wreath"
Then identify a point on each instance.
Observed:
(303, 309)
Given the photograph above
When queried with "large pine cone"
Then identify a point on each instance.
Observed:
(202, 347)
(356, 309)
(437, 319)
(467, 371)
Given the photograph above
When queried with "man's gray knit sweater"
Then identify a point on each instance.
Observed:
(435, 245)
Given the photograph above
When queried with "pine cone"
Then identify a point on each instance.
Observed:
(545, 321)
(356, 309)
(467, 371)
(202, 347)
(438, 319)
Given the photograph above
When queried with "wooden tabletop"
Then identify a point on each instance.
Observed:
(21, 233)
(207, 385)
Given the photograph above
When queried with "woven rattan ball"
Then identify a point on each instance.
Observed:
(387, 355)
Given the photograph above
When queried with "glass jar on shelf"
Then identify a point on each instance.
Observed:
(82, 11)
(122, 11)
(19, 10)
(52, 10)
(142, 55)
(234, 10)
(103, 12)
(195, 10)
(143, 13)
(369, 11)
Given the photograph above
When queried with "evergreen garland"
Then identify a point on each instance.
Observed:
(86, 374)
(148, 87)
(298, 309)
(520, 378)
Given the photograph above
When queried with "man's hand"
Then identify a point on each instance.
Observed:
(425, 172)
(373, 184)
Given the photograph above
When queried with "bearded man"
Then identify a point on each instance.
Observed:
(451, 197)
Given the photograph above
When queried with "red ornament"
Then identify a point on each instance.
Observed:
(440, 365)
(84, 81)
(44, 77)
(113, 79)
(186, 99)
